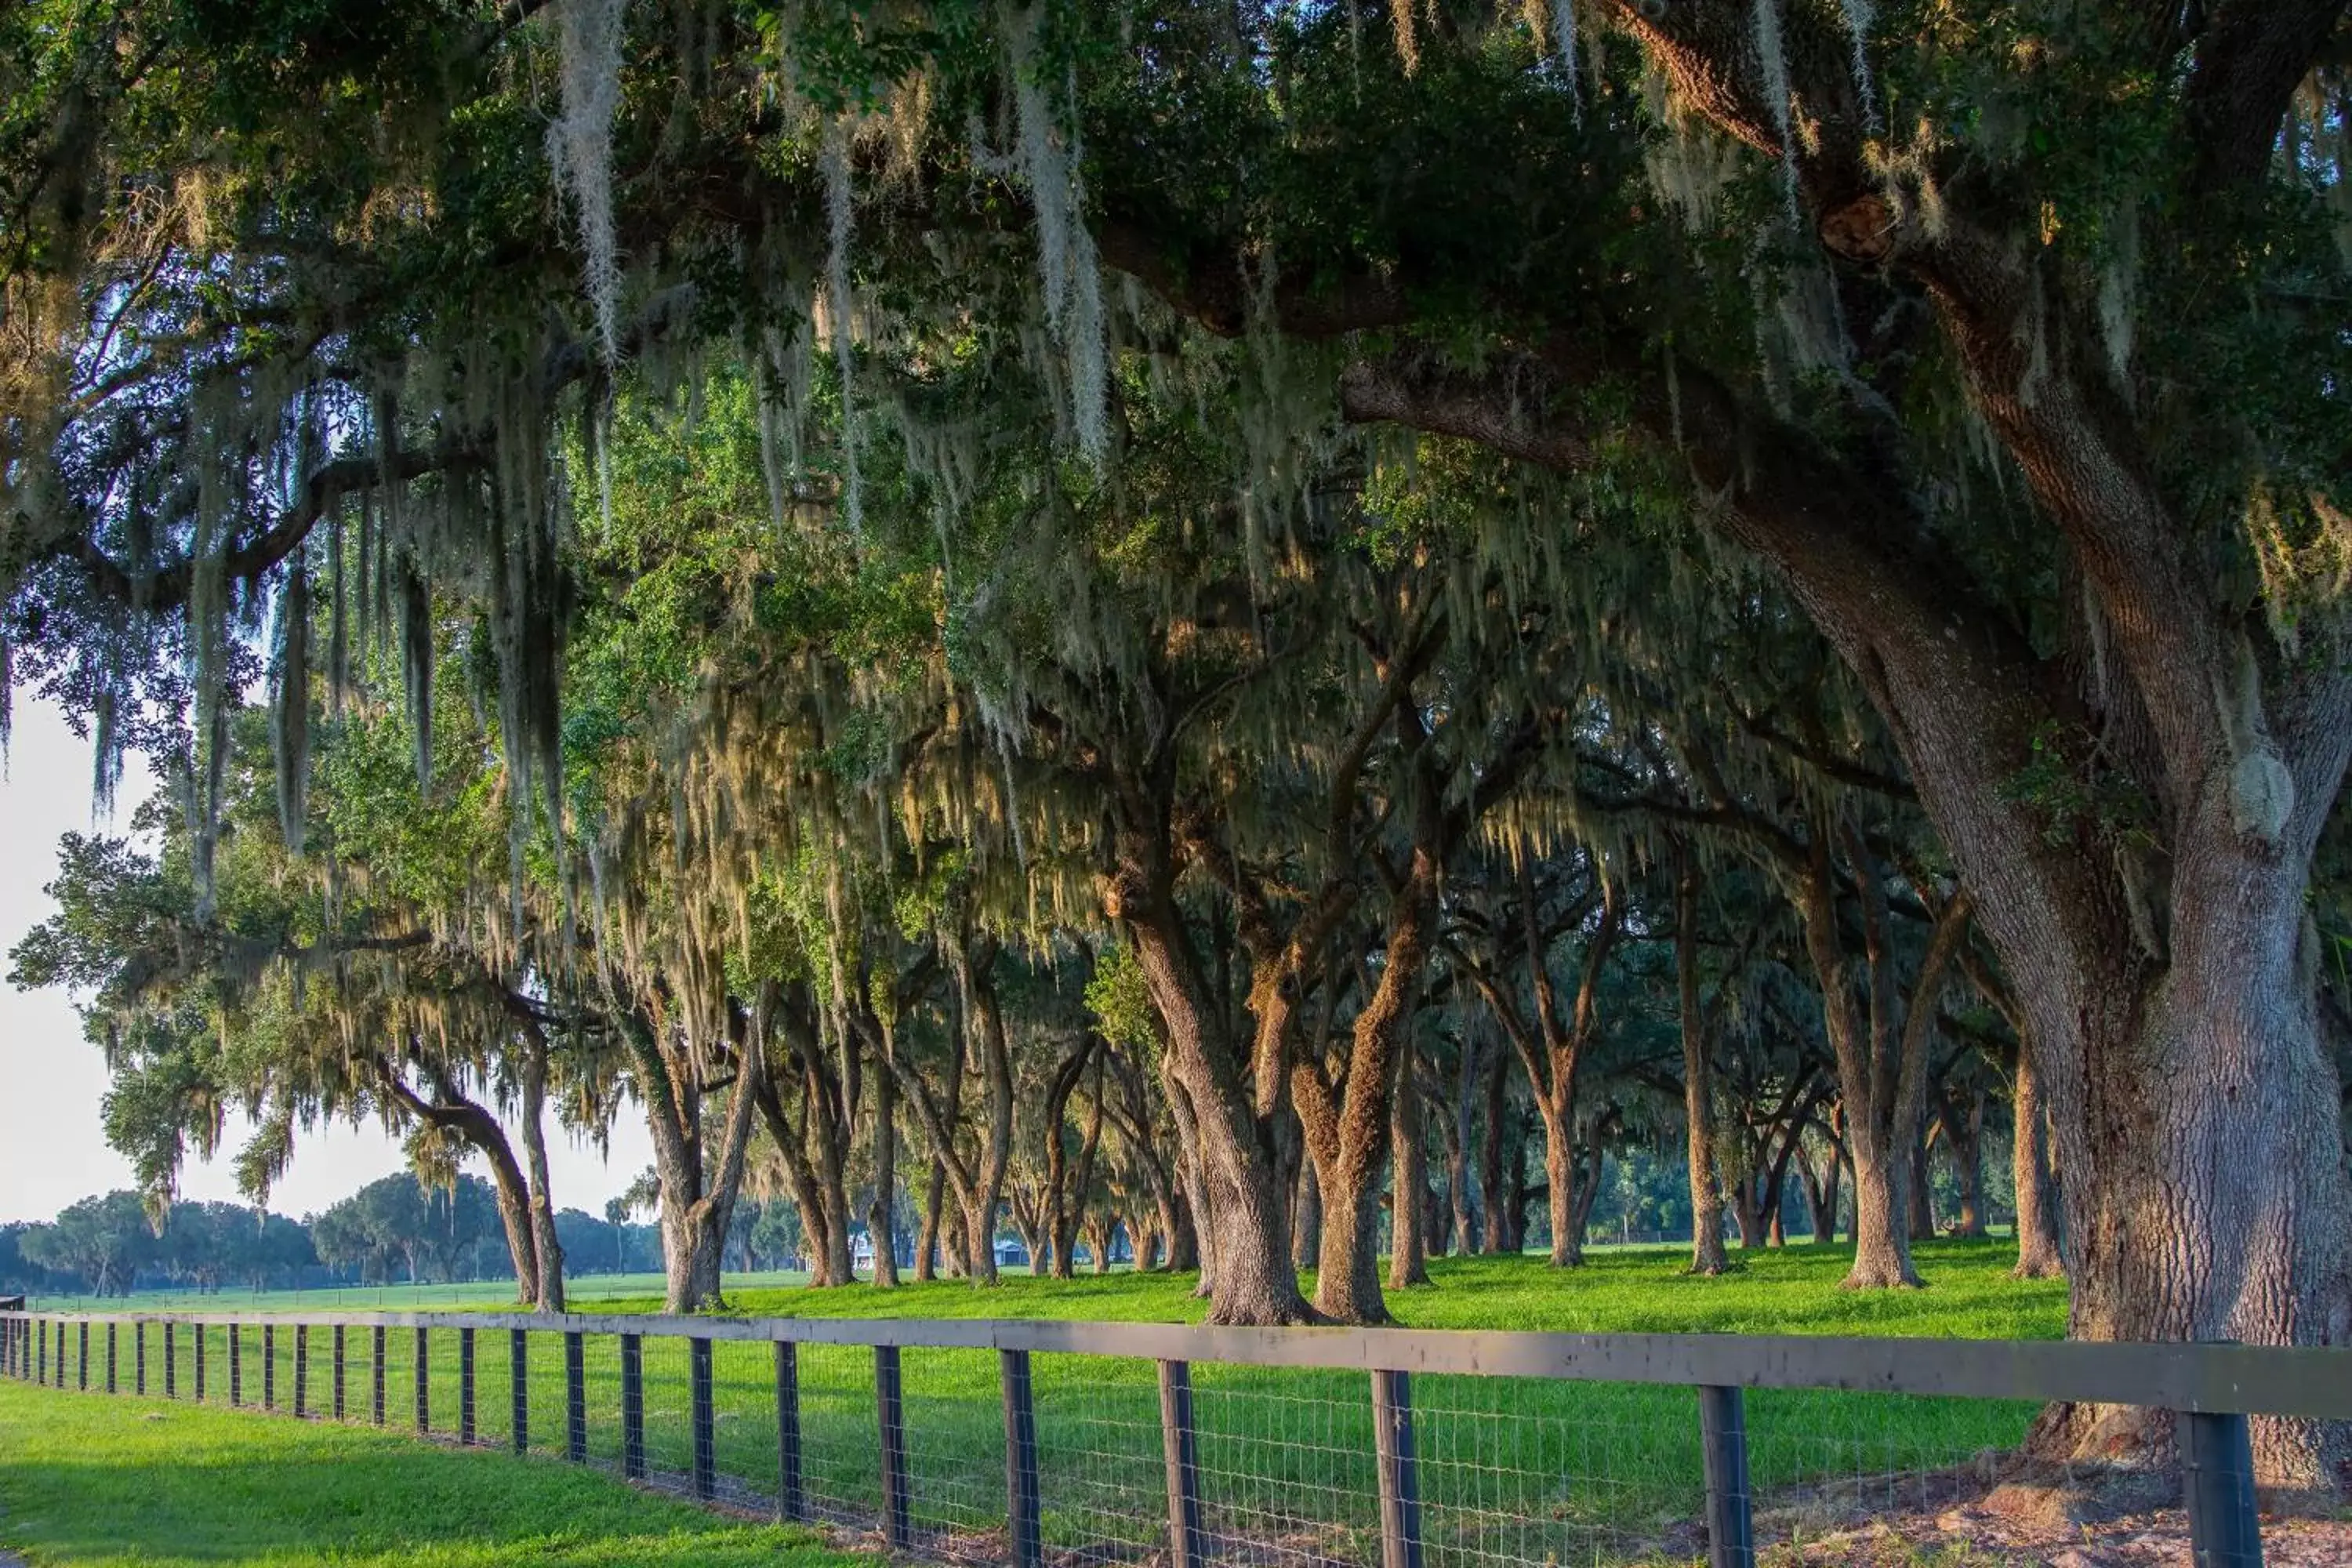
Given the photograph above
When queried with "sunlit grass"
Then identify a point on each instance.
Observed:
(139, 1483)
(1511, 1468)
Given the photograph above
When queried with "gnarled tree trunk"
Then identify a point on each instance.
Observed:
(2040, 1252)
(2205, 1193)
(1495, 1237)
(1409, 1179)
(1698, 1114)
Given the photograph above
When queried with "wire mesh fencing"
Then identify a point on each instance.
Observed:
(1089, 1446)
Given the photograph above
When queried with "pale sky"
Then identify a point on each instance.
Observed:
(52, 1149)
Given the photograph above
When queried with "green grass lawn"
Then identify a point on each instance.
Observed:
(470, 1296)
(1791, 1291)
(126, 1482)
(1530, 1470)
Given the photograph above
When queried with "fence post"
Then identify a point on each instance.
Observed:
(464, 1388)
(375, 1349)
(269, 1366)
(171, 1360)
(81, 1358)
(1723, 1440)
(138, 1357)
(1186, 1547)
(575, 1397)
(697, 1358)
(339, 1371)
(301, 1370)
(1021, 1495)
(2225, 1531)
(633, 1406)
(41, 1352)
(109, 1355)
(199, 1337)
(236, 1365)
(791, 1503)
(518, 1380)
(890, 1403)
(423, 1379)
(1400, 1476)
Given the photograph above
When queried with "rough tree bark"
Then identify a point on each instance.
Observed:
(1128, 1111)
(1698, 1113)
(977, 1179)
(1880, 1068)
(1458, 1126)
(1409, 1174)
(813, 1137)
(698, 1186)
(547, 1295)
(1306, 1217)
(2041, 1254)
(1246, 1264)
(1496, 1236)
(882, 1210)
(1821, 1179)
(935, 1192)
(451, 1111)
(1068, 1185)
(1922, 1221)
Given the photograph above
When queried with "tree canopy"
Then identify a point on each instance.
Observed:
(825, 569)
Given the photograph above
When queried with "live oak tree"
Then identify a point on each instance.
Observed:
(2007, 337)
(369, 983)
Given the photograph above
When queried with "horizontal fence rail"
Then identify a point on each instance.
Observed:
(1025, 1443)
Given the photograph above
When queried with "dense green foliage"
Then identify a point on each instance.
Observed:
(1263, 626)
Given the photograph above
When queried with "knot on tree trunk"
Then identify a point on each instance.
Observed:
(1861, 230)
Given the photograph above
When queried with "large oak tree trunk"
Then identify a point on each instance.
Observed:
(1821, 1198)
(1464, 1214)
(1248, 1272)
(1307, 1217)
(1698, 1118)
(1347, 1131)
(2206, 1195)
(1409, 1180)
(1560, 1191)
(1923, 1222)
(1495, 1237)
(1882, 1237)
(881, 1214)
(548, 1296)
(1968, 1156)
(697, 1185)
(2039, 1254)
(927, 1240)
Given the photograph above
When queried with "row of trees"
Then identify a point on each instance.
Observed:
(103, 1246)
(1213, 593)
(1406, 932)
(394, 1230)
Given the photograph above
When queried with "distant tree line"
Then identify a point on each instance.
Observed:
(393, 1231)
